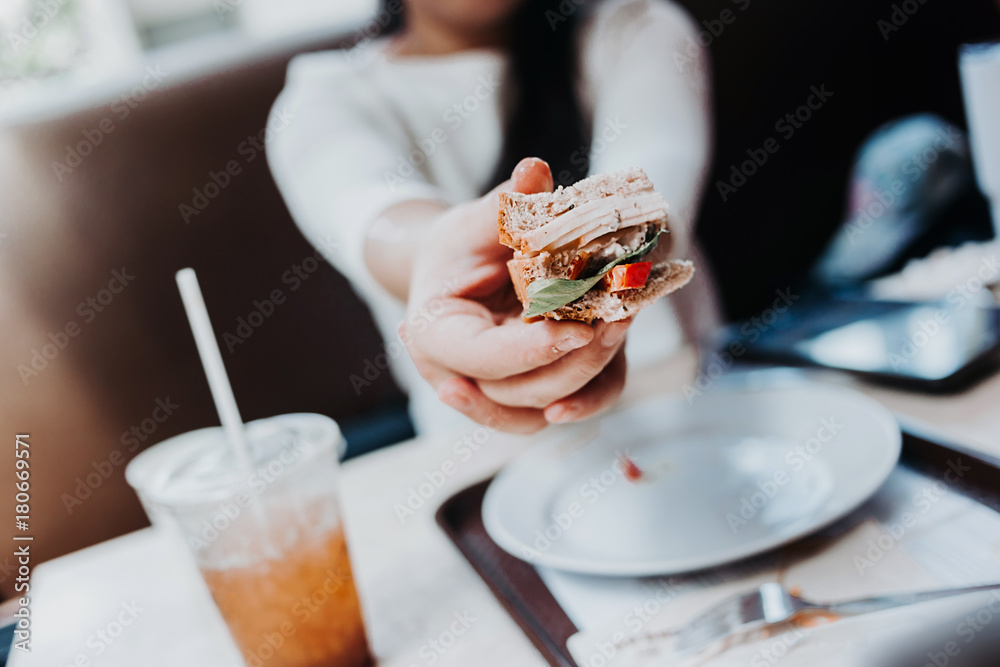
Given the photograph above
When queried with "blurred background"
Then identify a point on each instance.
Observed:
(119, 120)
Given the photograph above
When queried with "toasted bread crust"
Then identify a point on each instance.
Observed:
(506, 206)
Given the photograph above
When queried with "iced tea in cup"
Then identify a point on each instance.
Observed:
(270, 544)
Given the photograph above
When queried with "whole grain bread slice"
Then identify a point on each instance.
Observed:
(520, 213)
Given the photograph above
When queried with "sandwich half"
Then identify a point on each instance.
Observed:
(596, 250)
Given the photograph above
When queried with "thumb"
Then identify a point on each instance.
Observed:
(531, 176)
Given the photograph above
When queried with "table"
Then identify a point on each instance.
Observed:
(410, 577)
(412, 580)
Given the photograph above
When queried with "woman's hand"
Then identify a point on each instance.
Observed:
(465, 334)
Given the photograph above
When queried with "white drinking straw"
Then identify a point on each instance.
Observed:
(215, 370)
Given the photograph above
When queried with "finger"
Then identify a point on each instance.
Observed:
(467, 340)
(599, 394)
(531, 176)
(570, 373)
(463, 395)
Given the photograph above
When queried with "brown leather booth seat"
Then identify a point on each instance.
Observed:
(100, 361)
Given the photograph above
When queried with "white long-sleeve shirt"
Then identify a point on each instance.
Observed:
(367, 130)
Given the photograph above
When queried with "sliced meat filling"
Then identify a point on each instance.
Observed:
(593, 256)
(580, 225)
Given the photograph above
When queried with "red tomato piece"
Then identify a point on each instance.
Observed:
(630, 470)
(629, 276)
(578, 264)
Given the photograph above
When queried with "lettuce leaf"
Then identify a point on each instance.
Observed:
(550, 294)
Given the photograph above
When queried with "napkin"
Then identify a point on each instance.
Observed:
(872, 553)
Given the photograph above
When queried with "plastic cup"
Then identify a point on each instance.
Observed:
(270, 547)
(979, 65)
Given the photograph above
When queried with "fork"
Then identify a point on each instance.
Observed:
(772, 603)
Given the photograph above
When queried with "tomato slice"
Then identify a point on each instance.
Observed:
(578, 264)
(630, 470)
(629, 276)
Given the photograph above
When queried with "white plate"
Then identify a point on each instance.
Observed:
(728, 475)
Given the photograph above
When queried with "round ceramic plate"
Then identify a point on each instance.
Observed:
(724, 476)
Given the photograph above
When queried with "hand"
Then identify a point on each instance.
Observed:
(464, 330)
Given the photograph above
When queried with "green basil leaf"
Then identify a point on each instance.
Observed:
(550, 294)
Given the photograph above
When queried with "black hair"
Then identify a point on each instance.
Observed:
(544, 118)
